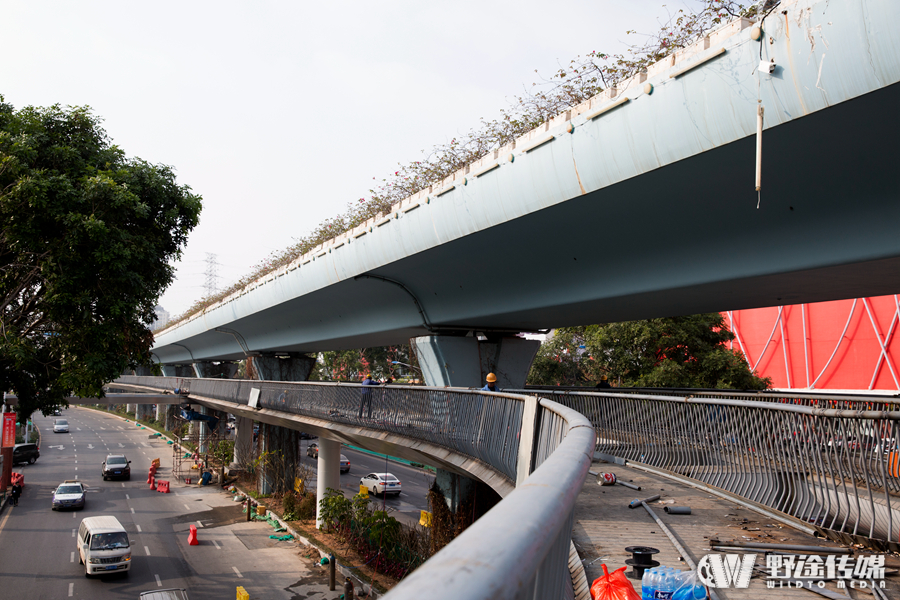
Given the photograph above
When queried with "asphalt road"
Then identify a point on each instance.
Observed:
(405, 506)
(38, 558)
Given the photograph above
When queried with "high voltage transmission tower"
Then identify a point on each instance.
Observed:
(212, 276)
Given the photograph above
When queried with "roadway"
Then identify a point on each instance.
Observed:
(37, 554)
(405, 506)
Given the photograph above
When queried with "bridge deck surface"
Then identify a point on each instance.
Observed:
(604, 526)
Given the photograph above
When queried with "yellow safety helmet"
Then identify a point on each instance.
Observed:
(491, 378)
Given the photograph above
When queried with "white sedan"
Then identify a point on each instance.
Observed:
(381, 483)
(60, 426)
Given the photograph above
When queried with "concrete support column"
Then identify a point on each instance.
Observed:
(170, 417)
(204, 431)
(217, 370)
(329, 472)
(293, 367)
(186, 371)
(243, 441)
(466, 361)
(281, 444)
(282, 453)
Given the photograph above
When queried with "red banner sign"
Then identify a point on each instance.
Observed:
(9, 430)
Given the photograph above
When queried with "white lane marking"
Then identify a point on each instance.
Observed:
(73, 515)
(147, 550)
(73, 533)
(78, 428)
(90, 446)
(139, 528)
(127, 497)
(215, 543)
(76, 462)
(238, 573)
(76, 477)
(71, 589)
(72, 557)
(199, 523)
(123, 485)
(76, 468)
(158, 581)
(121, 445)
(187, 506)
(132, 510)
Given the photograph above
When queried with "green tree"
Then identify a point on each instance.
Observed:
(685, 351)
(352, 365)
(86, 246)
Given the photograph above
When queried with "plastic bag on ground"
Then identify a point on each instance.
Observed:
(689, 587)
(613, 586)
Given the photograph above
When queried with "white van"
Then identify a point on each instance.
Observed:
(103, 546)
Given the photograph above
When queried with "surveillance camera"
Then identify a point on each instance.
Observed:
(767, 67)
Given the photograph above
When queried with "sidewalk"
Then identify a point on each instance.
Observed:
(605, 526)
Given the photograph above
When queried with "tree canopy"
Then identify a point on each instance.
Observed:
(85, 249)
(686, 352)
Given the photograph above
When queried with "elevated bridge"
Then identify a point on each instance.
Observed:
(639, 203)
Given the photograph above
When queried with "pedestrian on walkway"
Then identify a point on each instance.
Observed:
(491, 385)
(366, 396)
(15, 493)
(603, 383)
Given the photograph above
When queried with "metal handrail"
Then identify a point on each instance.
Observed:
(836, 469)
(520, 548)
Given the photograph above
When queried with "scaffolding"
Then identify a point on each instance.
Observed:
(193, 453)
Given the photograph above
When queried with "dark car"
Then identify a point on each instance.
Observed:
(116, 465)
(312, 450)
(25, 453)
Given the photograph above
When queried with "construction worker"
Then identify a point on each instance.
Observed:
(491, 383)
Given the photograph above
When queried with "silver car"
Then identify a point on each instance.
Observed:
(69, 494)
(60, 426)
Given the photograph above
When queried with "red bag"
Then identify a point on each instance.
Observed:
(613, 586)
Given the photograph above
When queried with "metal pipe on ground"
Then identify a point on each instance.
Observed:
(637, 502)
(681, 549)
(779, 547)
(678, 510)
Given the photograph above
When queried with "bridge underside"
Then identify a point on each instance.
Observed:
(681, 239)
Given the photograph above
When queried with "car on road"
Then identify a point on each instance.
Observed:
(313, 450)
(381, 483)
(307, 436)
(345, 464)
(25, 453)
(69, 494)
(60, 426)
(57, 412)
(116, 465)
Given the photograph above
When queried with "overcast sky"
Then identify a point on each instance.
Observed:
(281, 113)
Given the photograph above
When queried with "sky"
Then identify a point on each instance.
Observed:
(280, 114)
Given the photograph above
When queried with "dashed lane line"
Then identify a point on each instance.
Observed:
(139, 528)
(215, 543)
(147, 550)
(158, 580)
(73, 533)
(71, 589)
(199, 523)
(238, 573)
(187, 506)
(72, 557)
(127, 497)
(132, 510)
(123, 485)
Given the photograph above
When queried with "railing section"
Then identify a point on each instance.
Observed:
(837, 469)
(519, 549)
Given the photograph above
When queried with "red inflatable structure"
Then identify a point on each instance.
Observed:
(839, 345)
